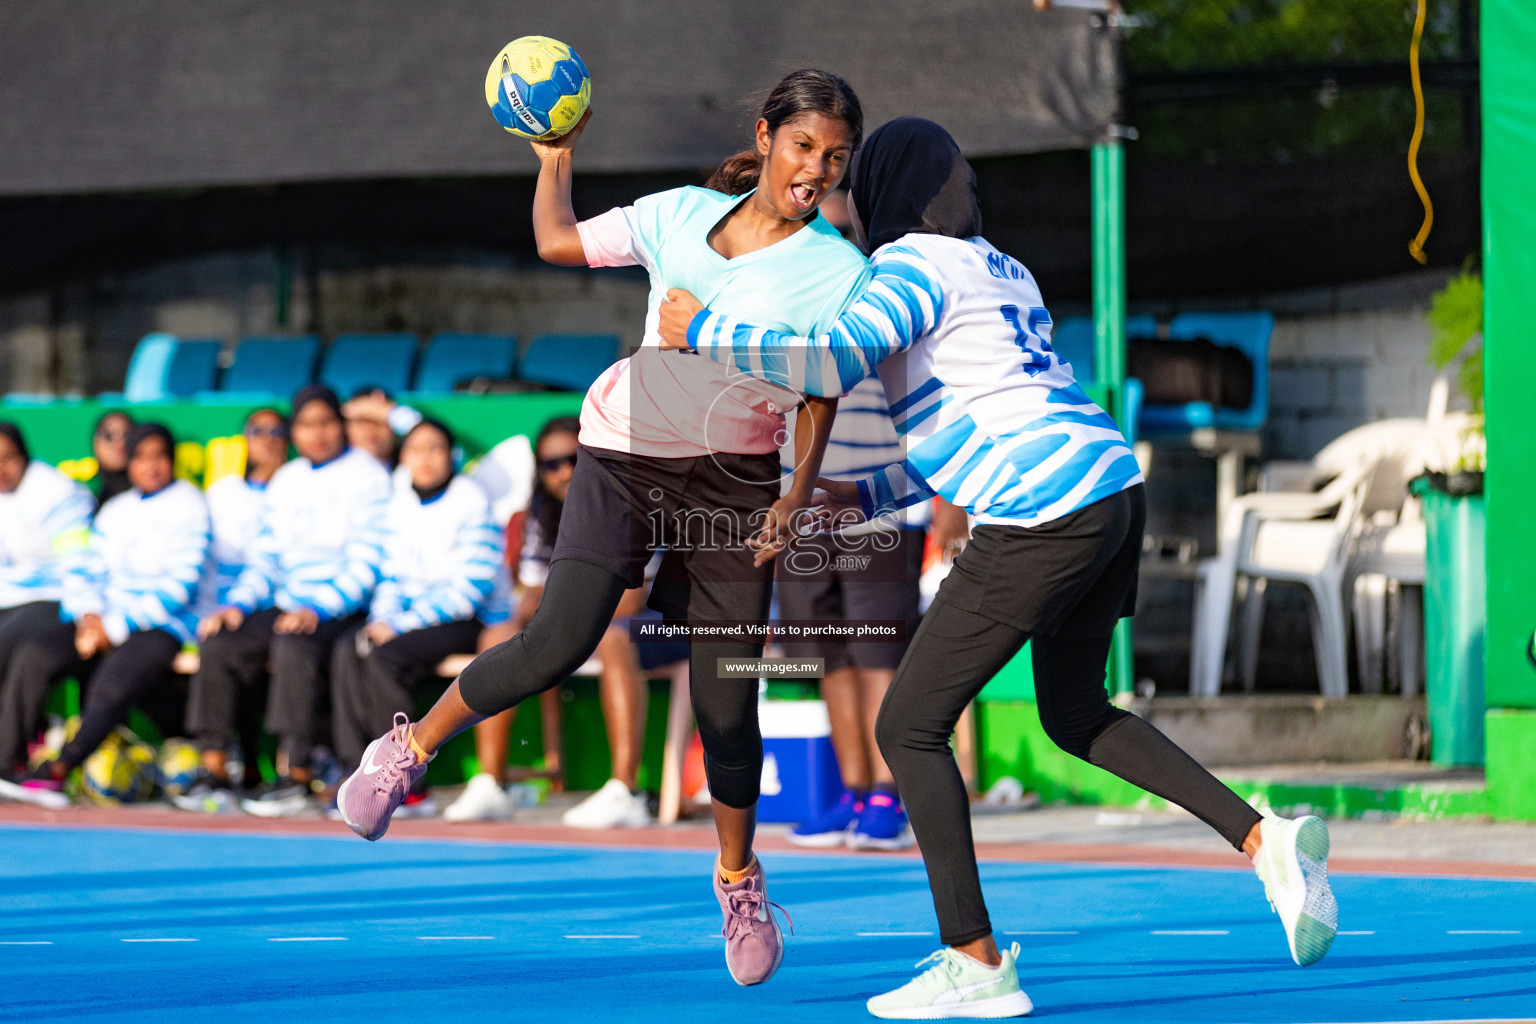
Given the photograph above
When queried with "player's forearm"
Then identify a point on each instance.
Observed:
(813, 426)
(554, 219)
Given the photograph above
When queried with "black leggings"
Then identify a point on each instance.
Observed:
(20, 709)
(957, 650)
(575, 610)
(125, 676)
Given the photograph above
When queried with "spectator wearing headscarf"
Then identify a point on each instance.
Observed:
(45, 523)
(442, 552)
(314, 566)
(127, 607)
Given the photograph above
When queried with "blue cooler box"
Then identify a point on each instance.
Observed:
(800, 776)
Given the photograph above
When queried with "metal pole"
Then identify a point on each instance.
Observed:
(1108, 200)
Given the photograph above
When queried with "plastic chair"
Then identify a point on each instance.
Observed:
(1248, 332)
(568, 361)
(1281, 535)
(272, 366)
(194, 367)
(357, 361)
(148, 367)
(454, 359)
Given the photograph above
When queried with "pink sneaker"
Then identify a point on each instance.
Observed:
(370, 795)
(754, 946)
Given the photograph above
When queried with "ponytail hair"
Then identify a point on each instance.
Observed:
(807, 91)
(737, 175)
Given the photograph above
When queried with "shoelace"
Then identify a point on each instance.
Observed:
(744, 905)
(943, 960)
(392, 773)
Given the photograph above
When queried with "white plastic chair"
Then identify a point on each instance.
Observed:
(1297, 544)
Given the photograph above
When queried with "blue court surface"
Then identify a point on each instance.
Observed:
(153, 926)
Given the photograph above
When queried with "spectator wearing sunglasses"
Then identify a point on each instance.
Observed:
(109, 447)
(235, 502)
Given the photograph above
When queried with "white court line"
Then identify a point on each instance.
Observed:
(602, 936)
(1355, 933)
(26, 943)
(1484, 931)
(157, 940)
(1039, 933)
(312, 938)
(886, 935)
(454, 938)
(1194, 931)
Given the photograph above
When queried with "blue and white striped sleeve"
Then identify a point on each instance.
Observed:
(257, 583)
(363, 556)
(903, 303)
(84, 577)
(891, 489)
(462, 590)
(162, 602)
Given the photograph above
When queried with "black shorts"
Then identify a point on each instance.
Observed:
(1072, 577)
(621, 507)
(885, 588)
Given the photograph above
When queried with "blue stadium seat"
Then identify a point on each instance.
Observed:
(147, 368)
(194, 367)
(1073, 341)
(1248, 332)
(356, 361)
(454, 359)
(568, 361)
(273, 366)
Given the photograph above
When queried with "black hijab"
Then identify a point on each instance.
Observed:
(316, 393)
(12, 433)
(113, 481)
(428, 494)
(141, 432)
(909, 177)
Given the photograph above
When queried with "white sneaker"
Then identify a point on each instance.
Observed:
(483, 799)
(613, 806)
(1293, 865)
(957, 986)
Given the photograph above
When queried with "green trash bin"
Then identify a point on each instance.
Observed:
(1455, 614)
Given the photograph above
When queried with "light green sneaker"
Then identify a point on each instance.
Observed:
(1293, 865)
(957, 986)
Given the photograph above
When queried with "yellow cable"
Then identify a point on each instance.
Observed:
(1416, 247)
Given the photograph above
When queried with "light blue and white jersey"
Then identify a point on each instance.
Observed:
(990, 417)
(45, 524)
(441, 557)
(143, 564)
(863, 442)
(666, 404)
(234, 506)
(319, 544)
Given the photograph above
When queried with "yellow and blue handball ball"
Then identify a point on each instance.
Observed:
(537, 88)
(176, 766)
(120, 771)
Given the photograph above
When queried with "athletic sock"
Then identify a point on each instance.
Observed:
(422, 757)
(730, 877)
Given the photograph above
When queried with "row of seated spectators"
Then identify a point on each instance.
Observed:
(335, 581)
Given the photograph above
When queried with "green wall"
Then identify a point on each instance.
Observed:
(61, 429)
(1509, 347)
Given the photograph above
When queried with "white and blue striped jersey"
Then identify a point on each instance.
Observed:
(319, 543)
(143, 564)
(989, 416)
(441, 557)
(862, 443)
(234, 506)
(45, 524)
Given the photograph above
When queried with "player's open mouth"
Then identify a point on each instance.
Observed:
(803, 195)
